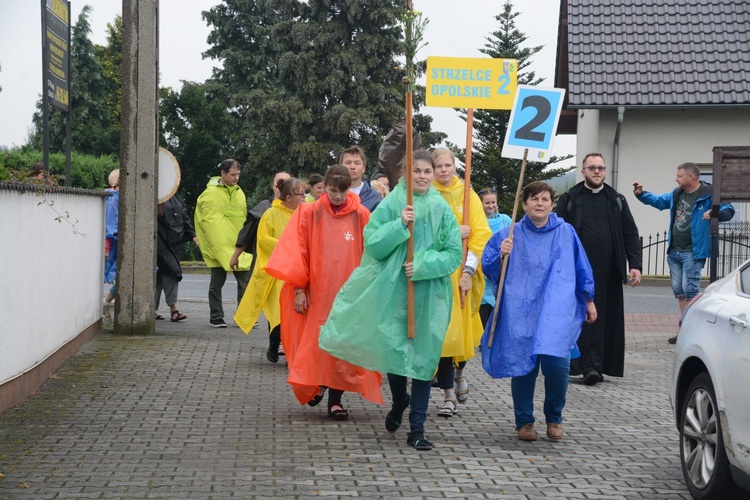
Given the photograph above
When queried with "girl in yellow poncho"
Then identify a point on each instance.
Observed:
(465, 329)
(263, 291)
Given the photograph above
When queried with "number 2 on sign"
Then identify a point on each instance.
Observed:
(504, 81)
(543, 110)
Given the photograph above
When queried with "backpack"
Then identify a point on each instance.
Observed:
(248, 235)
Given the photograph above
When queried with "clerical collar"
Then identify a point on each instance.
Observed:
(592, 189)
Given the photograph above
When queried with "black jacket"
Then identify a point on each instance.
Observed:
(174, 228)
(627, 242)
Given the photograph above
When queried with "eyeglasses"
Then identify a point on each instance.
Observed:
(487, 191)
(595, 168)
(299, 194)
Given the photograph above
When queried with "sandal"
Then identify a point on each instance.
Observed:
(318, 398)
(448, 409)
(177, 316)
(159, 317)
(337, 412)
(462, 390)
(393, 419)
(418, 441)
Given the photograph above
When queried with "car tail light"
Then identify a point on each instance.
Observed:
(688, 306)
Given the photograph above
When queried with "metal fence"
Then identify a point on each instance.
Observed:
(734, 249)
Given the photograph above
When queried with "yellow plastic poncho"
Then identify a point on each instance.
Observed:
(465, 329)
(263, 291)
(219, 215)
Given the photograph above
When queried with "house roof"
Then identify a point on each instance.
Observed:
(669, 53)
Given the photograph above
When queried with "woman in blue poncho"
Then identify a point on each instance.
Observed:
(547, 295)
(367, 325)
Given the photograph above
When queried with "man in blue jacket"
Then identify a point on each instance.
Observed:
(689, 242)
(355, 160)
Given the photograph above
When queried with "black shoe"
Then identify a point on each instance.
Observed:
(393, 419)
(672, 340)
(417, 440)
(272, 355)
(591, 378)
(218, 323)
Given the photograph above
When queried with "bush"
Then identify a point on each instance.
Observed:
(86, 171)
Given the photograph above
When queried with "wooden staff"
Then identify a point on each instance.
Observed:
(504, 265)
(409, 201)
(467, 186)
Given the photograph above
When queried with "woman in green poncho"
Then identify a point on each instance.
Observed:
(368, 325)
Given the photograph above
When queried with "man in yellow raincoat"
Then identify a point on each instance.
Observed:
(219, 215)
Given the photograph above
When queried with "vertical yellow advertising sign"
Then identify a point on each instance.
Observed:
(57, 44)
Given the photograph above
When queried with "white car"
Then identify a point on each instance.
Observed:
(710, 393)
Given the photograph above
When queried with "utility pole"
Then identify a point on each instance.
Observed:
(139, 145)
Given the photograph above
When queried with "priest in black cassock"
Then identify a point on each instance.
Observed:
(605, 226)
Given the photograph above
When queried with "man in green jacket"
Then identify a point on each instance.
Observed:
(219, 215)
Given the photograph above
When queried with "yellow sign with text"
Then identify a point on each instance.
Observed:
(471, 82)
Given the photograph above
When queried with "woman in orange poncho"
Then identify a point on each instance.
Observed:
(321, 247)
(263, 290)
(465, 329)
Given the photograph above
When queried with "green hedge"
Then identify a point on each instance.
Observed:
(86, 171)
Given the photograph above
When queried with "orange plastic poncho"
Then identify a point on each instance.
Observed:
(318, 252)
(263, 291)
(465, 329)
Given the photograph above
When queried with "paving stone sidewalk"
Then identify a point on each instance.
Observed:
(198, 412)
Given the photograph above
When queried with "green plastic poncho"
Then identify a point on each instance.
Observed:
(367, 325)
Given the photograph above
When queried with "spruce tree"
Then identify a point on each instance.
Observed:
(110, 59)
(90, 116)
(488, 168)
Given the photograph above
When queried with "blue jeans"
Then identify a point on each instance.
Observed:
(420, 398)
(446, 372)
(685, 273)
(110, 266)
(556, 371)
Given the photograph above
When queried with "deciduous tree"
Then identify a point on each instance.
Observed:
(196, 128)
(304, 80)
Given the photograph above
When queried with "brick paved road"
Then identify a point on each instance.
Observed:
(195, 412)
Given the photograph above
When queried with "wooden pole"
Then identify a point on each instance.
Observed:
(467, 185)
(409, 169)
(409, 201)
(504, 265)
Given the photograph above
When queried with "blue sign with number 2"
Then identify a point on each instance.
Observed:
(533, 121)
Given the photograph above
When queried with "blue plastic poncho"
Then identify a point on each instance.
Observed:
(367, 325)
(544, 297)
(112, 220)
(496, 222)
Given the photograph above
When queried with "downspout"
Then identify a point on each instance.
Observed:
(616, 146)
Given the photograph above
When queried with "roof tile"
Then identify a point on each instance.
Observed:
(666, 52)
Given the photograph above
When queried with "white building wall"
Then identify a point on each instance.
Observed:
(50, 277)
(654, 142)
